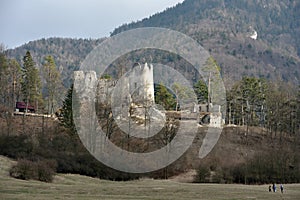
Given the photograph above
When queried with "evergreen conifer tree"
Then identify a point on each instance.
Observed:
(31, 82)
(66, 115)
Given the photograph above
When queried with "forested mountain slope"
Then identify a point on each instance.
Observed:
(67, 53)
(223, 27)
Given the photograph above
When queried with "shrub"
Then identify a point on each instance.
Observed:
(238, 173)
(46, 170)
(25, 170)
(40, 170)
(15, 146)
(202, 174)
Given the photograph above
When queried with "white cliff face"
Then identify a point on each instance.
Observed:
(254, 35)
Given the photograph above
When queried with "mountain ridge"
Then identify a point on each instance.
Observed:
(68, 53)
(223, 27)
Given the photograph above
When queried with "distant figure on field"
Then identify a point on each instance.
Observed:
(281, 188)
(274, 187)
(270, 188)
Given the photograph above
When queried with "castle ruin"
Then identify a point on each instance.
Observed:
(132, 97)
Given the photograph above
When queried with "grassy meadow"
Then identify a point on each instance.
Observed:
(69, 186)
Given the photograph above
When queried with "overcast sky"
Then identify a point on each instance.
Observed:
(22, 21)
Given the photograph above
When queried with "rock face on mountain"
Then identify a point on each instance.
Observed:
(247, 37)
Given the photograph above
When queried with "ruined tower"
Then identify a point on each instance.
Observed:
(141, 84)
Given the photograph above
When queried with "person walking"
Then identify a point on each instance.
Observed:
(274, 187)
(270, 188)
(281, 188)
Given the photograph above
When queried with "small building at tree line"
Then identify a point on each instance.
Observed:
(21, 107)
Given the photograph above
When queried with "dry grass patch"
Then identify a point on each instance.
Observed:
(70, 186)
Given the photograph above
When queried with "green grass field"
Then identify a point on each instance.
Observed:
(68, 186)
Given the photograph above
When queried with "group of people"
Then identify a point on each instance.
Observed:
(274, 188)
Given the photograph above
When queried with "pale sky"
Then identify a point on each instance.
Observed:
(22, 21)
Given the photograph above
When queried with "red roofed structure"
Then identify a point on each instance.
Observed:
(21, 107)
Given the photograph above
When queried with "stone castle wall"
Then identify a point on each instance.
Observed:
(134, 90)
